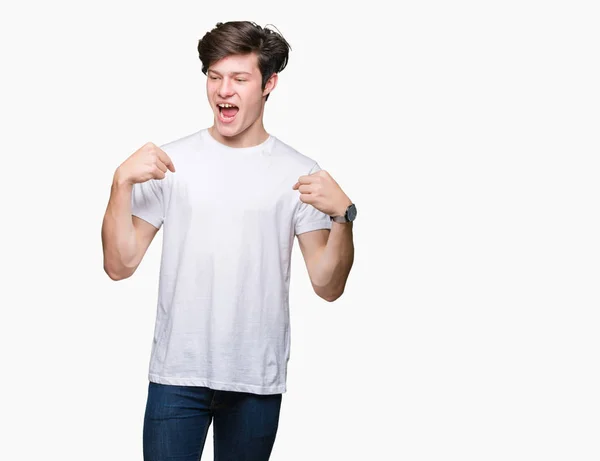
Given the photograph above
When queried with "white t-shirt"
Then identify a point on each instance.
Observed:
(229, 218)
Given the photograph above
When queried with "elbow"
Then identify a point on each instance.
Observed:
(329, 295)
(330, 290)
(332, 298)
(115, 275)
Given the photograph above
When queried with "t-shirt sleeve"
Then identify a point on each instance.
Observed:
(308, 218)
(147, 202)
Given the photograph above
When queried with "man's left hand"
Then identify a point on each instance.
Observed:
(323, 192)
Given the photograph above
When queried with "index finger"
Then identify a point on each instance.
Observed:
(162, 155)
(306, 179)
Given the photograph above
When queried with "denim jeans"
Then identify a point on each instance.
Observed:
(177, 419)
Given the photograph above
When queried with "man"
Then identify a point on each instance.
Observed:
(231, 198)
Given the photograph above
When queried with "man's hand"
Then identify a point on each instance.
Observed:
(321, 191)
(148, 162)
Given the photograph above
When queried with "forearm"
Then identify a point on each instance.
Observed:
(335, 261)
(119, 240)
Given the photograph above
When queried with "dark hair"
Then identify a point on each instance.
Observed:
(245, 37)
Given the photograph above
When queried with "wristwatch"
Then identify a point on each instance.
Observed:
(349, 215)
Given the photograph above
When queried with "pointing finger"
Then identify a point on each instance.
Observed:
(162, 155)
(306, 179)
(161, 166)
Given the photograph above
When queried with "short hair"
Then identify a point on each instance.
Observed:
(245, 37)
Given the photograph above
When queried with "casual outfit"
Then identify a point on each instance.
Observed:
(229, 218)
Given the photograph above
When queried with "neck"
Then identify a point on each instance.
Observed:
(254, 135)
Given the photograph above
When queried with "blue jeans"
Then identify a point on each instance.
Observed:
(177, 419)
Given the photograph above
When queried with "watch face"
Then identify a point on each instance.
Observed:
(351, 212)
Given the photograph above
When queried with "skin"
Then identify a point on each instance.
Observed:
(237, 80)
(328, 255)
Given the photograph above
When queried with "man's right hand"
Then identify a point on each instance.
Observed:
(148, 162)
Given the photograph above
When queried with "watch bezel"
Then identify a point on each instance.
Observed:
(350, 214)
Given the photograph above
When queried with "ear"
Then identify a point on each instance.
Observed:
(270, 85)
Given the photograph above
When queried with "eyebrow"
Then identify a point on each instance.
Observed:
(230, 73)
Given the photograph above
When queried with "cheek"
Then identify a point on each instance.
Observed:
(254, 98)
(211, 87)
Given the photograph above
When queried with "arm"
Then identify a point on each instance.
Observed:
(329, 256)
(125, 238)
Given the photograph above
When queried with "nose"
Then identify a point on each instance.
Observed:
(225, 89)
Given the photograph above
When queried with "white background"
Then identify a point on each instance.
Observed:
(465, 132)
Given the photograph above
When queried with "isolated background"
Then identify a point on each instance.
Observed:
(467, 134)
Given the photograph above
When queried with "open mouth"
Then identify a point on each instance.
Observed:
(227, 112)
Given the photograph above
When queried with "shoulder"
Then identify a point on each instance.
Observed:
(183, 145)
(292, 157)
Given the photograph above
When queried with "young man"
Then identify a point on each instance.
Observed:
(233, 201)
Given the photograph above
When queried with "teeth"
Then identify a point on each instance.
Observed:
(226, 105)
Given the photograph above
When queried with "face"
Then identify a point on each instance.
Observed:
(233, 87)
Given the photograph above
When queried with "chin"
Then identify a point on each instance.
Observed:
(228, 131)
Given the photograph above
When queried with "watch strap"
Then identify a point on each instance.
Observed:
(340, 219)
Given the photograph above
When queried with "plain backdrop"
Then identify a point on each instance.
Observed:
(467, 134)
